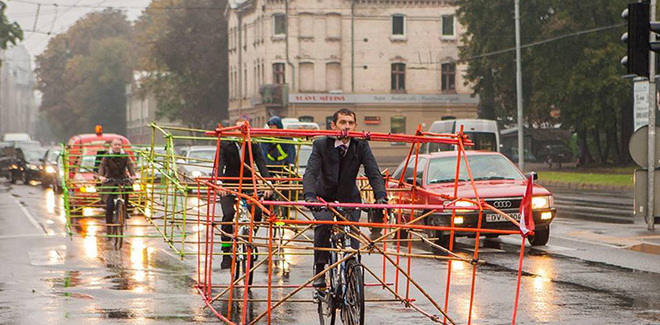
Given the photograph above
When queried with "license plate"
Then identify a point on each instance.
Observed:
(493, 217)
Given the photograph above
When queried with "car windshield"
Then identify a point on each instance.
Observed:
(52, 155)
(88, 163)
(203, 155)
(483, 167)
(33, 155)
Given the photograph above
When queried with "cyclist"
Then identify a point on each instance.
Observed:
(331, 174)
(229, 165)
(114, 167)
(279, 155)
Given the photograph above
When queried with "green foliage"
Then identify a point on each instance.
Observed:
(83, 73)
(186, 60)
(9, 32)
(579, 74)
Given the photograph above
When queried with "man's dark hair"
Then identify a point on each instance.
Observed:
(343, 111)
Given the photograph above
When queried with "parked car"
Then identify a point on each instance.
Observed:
(51, 174)
(498, 181)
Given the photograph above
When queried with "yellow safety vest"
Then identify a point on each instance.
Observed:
(283, 155)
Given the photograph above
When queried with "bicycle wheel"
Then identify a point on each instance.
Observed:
(352, 311)
(241, 259)
(326, 306)
(120, 216)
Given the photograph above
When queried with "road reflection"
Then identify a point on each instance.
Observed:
(542, 295)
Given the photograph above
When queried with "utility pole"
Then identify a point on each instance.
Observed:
(521, 142)
(653, 103)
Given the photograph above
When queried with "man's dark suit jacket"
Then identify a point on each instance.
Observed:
(230, 162)
(324, 178)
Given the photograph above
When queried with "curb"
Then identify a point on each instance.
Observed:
(587, 186)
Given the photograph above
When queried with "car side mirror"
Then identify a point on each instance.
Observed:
(535, 175)
(41, 159)
(410, 180)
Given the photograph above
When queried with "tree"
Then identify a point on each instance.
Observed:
(185, 55)
(83, 72)
(566, 68)
(9, 32)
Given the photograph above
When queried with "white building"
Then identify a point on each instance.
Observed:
(18, 111)
(393, 62)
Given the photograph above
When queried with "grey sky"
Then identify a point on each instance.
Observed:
(57, 19)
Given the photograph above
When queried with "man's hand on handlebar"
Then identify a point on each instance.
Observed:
(313, 208)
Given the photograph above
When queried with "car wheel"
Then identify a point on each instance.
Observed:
(540, 237)
(12, 178)
(26, 179)
(44, 183)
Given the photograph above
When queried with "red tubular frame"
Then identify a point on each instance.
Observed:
(205, 284)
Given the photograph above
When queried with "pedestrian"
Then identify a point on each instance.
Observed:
(331, 174)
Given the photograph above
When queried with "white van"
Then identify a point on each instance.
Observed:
(17, 137)
(483, 133)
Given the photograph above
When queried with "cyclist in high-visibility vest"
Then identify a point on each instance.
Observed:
(280, 154)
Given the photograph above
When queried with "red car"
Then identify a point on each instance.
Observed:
(83, 156)
(498, 181)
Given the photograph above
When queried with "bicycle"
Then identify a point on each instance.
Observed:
(118, 223)
(346, 289)
(244, 217)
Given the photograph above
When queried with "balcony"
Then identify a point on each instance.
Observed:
(272, 95)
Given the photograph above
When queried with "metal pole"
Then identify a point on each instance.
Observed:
(653, 103)
(521, 142)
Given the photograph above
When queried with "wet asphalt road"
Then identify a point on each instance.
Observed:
(49, 278)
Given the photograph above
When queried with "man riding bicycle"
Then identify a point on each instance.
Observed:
(331, 174)
(113, 168)
(230, 160)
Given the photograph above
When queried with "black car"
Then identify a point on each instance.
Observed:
(50, 170)
(27, 166)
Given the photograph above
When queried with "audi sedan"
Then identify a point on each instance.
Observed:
(497, 180)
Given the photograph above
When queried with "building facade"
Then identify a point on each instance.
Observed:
(18, 108)
(393, 62)
(141, 107)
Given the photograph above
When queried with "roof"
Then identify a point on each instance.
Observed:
(88, 137)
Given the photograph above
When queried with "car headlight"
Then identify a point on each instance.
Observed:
(464, 204)
(137, 187)
(32, 166)
(196, 173)
(49, 170)
(88, 189)
(541, 202)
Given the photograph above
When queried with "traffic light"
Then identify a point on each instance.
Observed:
(637, 37)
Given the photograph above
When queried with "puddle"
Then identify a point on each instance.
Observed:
(645, 248)
(116, 313)
(69, 280)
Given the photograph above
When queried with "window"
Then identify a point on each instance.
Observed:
(332, 76)
(306, 27)
(398, 25)
(306, 118)
(333, 26)
(328, 122)
(279, 25)
(306, 76)
(448, 77)
(398, 124)
(244, 36)
(278, 73)
(448, 25)
(398, 76)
